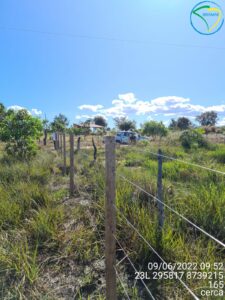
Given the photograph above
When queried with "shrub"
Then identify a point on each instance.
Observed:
(192, 139)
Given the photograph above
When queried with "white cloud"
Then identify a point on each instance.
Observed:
(36, 112)
(93, 108)
(33, 111)
(16, 107)
(221, 122)
(127, 104)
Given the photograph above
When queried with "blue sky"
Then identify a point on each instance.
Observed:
(140, 59)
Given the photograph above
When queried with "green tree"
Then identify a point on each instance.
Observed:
(173, 124)
(153, 128)
(123, 123)
(101, 121)
(208, 118)
(60, 123)
(183, 123)
(19, 130)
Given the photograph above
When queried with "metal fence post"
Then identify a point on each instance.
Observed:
(110, 219)
(64, 154)
(72, 185)
(160, 190)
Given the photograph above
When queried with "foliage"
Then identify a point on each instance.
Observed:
(153, 128)
(123, 123)
(19, 130)
(181, 123)
(60, 123)
(192, 139)
(101, 121)
(173, 124)
(208, 118)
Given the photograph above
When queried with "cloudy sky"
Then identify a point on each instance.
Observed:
(140, 59)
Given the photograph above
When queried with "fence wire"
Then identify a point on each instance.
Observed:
(158, 255)
(174, 211)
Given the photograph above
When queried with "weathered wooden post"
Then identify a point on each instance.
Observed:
(160, 190)
(110, 219)
(64, 154)
(72, 185)
(61, 144)
(95, 149)
(78, 144)
(45, 137)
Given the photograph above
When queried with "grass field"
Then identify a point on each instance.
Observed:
(52, 246)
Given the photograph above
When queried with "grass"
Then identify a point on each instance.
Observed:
(196, 193)
(43, 231)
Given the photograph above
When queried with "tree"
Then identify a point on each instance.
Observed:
(60, 123)
(19, 130)
(183, 123)
(208, 118)
(123, 123)
(101, 121)
(173, 124)
(153, 128)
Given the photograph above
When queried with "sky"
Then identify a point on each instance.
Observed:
(140, 59)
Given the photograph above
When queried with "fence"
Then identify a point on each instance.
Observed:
(111, 272)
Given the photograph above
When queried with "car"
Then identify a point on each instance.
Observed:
(125, 137)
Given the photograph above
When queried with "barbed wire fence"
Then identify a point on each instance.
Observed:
(111, 241)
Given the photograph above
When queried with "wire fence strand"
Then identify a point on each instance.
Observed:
(174, 211)
(183, 161)
(158, 255)
(131, 263)
(121, 282)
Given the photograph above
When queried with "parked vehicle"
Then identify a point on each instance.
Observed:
(126, 137)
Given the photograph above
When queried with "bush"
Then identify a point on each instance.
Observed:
(192, 139)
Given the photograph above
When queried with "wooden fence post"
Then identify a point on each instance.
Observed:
(64, 154)
(78, 144)
(72, 186)
(110, 219)
(95, 149)
(160, 190)
(61, 144)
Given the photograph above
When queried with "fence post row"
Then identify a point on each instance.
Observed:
(64, 154)
(110, 219)
(72, 186)
(160, 190)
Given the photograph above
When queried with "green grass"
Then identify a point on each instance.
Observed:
(37, 229)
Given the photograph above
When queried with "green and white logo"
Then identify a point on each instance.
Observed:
(207, 17)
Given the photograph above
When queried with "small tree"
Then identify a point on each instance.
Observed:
(153, 128)
(173, 124)
(60, 123)
(19, 130)
(123, 123)
(183, 123)
(208, 118)
(101, 121)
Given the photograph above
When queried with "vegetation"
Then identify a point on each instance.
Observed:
(192, 139)
(52, 246)
(99, 120)
(181, 124)
(124, 124)
(19, 130)
(154, 129)
(208, 118)
(60, 123)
